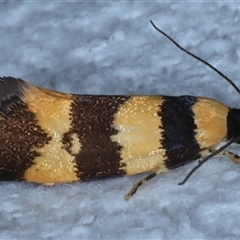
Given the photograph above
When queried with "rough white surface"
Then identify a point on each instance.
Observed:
(111, 48)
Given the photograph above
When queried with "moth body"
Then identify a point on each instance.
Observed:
(50, 137)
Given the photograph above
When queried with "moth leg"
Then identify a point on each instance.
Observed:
(138, 184)
(234, 157)
(152, 175)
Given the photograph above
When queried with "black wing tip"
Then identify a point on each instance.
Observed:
(11, 79)
(11, 86)
(11, 93)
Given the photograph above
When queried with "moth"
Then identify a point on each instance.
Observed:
(50, 137)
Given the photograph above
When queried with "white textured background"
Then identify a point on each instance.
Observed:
(111, 48)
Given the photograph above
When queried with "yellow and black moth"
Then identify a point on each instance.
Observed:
(50, 137)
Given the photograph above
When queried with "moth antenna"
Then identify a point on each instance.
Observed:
(208, 157)
(198, 58)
